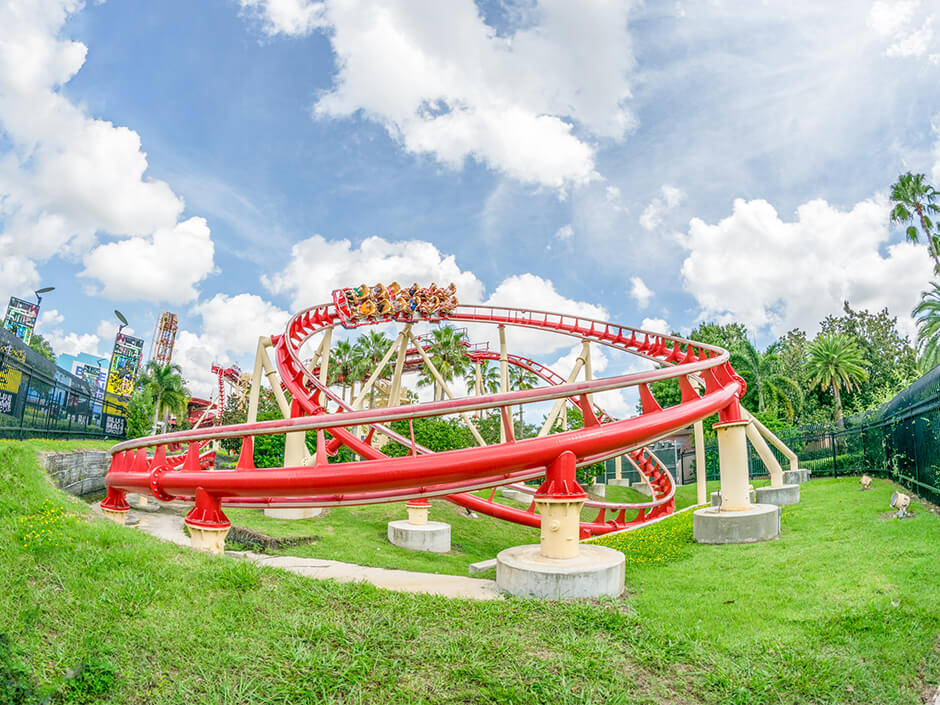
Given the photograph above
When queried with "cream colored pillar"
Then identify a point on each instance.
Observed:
(418, 513)
(560, 526)
(503, 373)
(701, 488)
(732, 466)
(618, 467)
(208, 540)
(116, 516)
(763, 450)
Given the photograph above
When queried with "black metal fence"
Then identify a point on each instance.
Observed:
(40, 400)
(900, 440)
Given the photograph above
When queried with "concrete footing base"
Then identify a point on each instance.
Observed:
(642, 488)
(795, 477)
(208, 540)
(598, 490)
(760, 522)
(115, 516)
(715, 498)
(619, 483)
(525, 572)
(781, 496)
(295, 513)
(433, 536)
(516, 495)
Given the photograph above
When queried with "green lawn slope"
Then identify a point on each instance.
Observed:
(843, 608)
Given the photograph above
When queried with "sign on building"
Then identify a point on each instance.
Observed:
(21, 318)
(125, 361)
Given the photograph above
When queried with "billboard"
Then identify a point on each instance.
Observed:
(125, 361)
(10, 378)
(21, 318)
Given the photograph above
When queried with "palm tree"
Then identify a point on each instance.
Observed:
(165, 384)
(489, 376)
(520, 378)
(927, 313)
(916, 198)
(834, 361)
(343, 367)
(369, 351)
(765, 378)
(448, 353)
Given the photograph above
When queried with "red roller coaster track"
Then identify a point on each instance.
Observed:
(422, 473)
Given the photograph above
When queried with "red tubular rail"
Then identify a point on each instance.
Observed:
(424, 474)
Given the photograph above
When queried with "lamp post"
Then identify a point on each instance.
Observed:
(39, 292)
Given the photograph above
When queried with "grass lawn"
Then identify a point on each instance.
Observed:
(844, 607)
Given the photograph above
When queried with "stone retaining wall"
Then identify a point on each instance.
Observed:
(79, 472)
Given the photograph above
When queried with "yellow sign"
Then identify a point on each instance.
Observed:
(10, 378)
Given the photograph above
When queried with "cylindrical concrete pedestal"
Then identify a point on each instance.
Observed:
(759, 522)
(516, 495)
(795, 477)
(433, 536)
(208, 540)
(715, 497)
(294, 513)
(598, 489)
(781, 496)
(596, 570)
(619, 483)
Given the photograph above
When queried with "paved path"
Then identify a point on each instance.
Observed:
(169, 527)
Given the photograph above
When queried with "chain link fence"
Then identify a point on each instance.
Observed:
(40, 400)
(900, 440)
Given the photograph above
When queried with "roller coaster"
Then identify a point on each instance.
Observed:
(707, 381)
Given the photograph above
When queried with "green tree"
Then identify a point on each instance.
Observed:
(343, 368)
(519, 379)
(914, 198)
(165, 384)
(489, 376)
(765, 380)
(369, 351)
(42, 346)
(140, 414)
(892, 360)
(836, 361)
(448, 353)
(927, 313)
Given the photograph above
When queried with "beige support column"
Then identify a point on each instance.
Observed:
(364, 389)
(255, 390)
(763, 450)
(503, 373)
(588, 375)
(440, 380)
(732, 466)
(560, 526)
(418, 514)
(478, 381)
(394, 398)
(208, 540)
(324, 355)
(118, 517)
(560, 403)
(769, 435)
(618, 468)
(701, 489)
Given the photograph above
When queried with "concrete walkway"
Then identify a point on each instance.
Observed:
(169, 527)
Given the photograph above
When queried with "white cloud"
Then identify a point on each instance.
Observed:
(233, 324)
(50, 318)
(295, 18)
(317, 266)
(66, 176)
(640, 292)
(443, 82)
(655, 325)
(935, 173)
(659, 207)
(195, 356)
(164, 267)
(755, 268)
(564, 233)
(909, 30)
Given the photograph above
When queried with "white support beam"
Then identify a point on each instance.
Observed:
(440, 380)
(560, 403)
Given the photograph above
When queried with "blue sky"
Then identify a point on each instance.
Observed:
(656, 164)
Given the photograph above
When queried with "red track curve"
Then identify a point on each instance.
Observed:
(380, 478)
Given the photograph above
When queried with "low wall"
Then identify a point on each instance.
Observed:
(79, 472)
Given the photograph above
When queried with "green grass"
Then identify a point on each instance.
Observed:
(843, 608)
